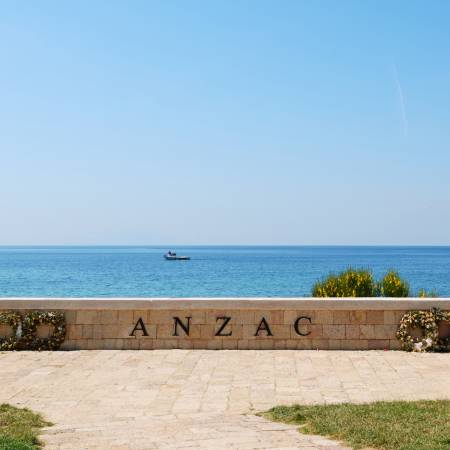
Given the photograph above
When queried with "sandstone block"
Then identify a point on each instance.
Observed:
(291, 316)
(385, 331)
(117, 331)
(392, 317)
(88, 317)
(68, 345)
(187, 344)
(88, 331)
(352, 332)
(237, 332)
(279, 344)
(131, 344)
(394, 344)
(324, 317)
(302, 344)
(108, 317)
(281, 331)
(112, 344)
(93, 344)
(341, 317)
(216, 344)
(367, 331)
(81, 344)
(320, 344)
(96, 331)
(253, 344)
(374, 317)
(70, 316)
(314, 331)
(143, 314)
(272, 317)
(164, 317)
(265, 345)
(230, 344)
(125, 317)
(249, 331)
(357, 317)
(333, 331)
(335, 344)
(354, 344)
(378, 344)
(212, 315)
(242, 344)
(74, 332)
(168, 331)
(242, 317)
(207, 331)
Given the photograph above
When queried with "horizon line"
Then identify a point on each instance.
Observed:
(224, 245)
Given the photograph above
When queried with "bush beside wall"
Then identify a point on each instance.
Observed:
(361, 283)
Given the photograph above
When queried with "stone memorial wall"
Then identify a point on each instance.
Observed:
(304, 323)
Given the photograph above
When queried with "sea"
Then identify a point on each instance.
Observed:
(212, 271)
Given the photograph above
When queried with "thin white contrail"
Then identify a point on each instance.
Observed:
(402, 101)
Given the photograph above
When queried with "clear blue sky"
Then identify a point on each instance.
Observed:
(247, 122)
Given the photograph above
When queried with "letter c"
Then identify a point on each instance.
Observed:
(297, 323)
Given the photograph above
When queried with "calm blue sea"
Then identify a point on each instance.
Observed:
(213, 270)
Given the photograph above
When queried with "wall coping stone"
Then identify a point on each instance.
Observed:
(254, 303)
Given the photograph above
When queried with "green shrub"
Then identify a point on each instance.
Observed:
(424, 294)
(350, 283)
(393, 286)
(360, 283)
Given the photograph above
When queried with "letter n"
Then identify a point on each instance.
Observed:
(263, 326)
(140, 326)
(185, 327)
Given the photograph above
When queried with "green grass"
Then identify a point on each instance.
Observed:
(422, 425)
(19, 428)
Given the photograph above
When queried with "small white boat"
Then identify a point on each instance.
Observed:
(171, 256)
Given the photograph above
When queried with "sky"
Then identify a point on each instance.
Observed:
(224, 122)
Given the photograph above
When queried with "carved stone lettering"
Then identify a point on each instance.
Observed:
(263, 326)
(223, 325)
(297, 325)
(184, 326)
(140, 326)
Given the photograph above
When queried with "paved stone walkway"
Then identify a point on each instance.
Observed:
(204, 399)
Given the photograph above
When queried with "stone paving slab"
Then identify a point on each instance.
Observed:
(166, 399)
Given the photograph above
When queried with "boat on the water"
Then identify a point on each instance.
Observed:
(172, 256)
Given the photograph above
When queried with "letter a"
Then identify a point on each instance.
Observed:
(140, 326)
(263, 326)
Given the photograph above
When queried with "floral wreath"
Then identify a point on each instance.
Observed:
(13, 320)
(443, 343)
(418, 319)
(24, 330)
(30, 323)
